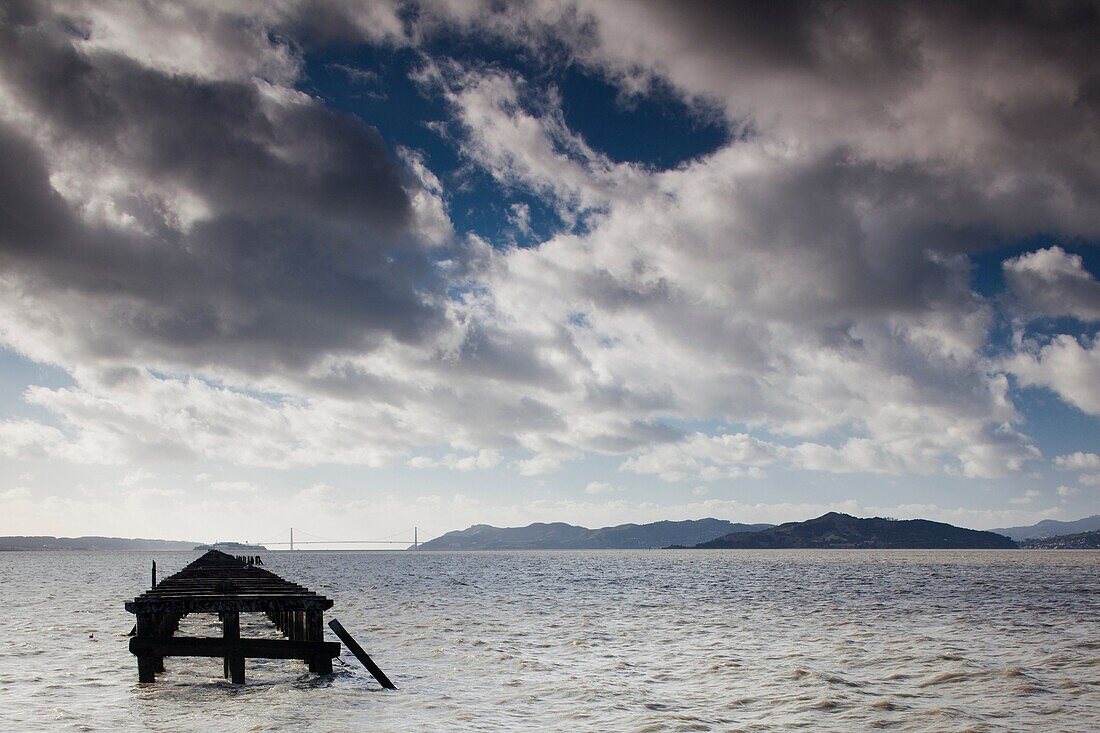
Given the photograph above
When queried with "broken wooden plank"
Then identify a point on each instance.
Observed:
(361, 655)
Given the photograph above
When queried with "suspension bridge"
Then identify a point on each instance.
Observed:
(409, 537)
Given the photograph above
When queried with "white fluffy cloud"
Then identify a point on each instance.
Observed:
(1067, 492)
(1078, 461)
(1088, 463)
(29, 439)
(1067, 365)
(1052, 282)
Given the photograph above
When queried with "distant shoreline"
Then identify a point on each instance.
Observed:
(833, 531)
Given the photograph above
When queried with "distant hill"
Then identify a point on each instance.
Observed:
(1079, 541)
(561, 536)
(835, 530)
(90, 543)
(231, 547)
(1051, 528)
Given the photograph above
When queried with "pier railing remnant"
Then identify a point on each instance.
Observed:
(222, 584)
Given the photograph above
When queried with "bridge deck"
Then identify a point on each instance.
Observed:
(228, 586)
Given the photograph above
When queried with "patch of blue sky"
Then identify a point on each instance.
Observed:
(987, 277)
(17, 373)
(658, 130)
(1056, 427)
(377, 84)
(988, 280)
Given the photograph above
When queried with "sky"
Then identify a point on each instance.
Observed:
(357, 267)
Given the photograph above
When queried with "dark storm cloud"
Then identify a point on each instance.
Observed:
(217, 137)
(303, 248)
(1011, 83)
(32, 214)
(254, 295)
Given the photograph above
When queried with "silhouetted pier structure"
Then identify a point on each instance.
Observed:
(228, 586)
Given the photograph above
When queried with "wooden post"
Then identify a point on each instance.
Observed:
(147, 668)
(294, 626)
(160, 623)
(361, 655)
(147, 663)
(315, 631)
(154, 574)
(231, 631)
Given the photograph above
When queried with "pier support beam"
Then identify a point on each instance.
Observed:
(315, 631)
(147, 663)
(231, 632)
(147, 668)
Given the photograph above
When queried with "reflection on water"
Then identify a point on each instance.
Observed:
(638, 641)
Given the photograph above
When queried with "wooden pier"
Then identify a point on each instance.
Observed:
(221, 584)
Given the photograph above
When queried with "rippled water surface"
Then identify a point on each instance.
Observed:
(633, 641)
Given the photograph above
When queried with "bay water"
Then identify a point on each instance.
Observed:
(586, 641)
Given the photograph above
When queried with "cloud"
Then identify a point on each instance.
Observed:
(520, 138)
(19, 493)
(1067, 492)
(196, 222)
(231, 270)
(129, 416)
(963, 90)
(1052, 282)
(539, 464)
(1067, 366)
(28, 439)
(1078, 461)
(600, 487)
(1029, 497)
(234, 487)
(137, 477)
(801, 348)
(707, 458)
(481, 460)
